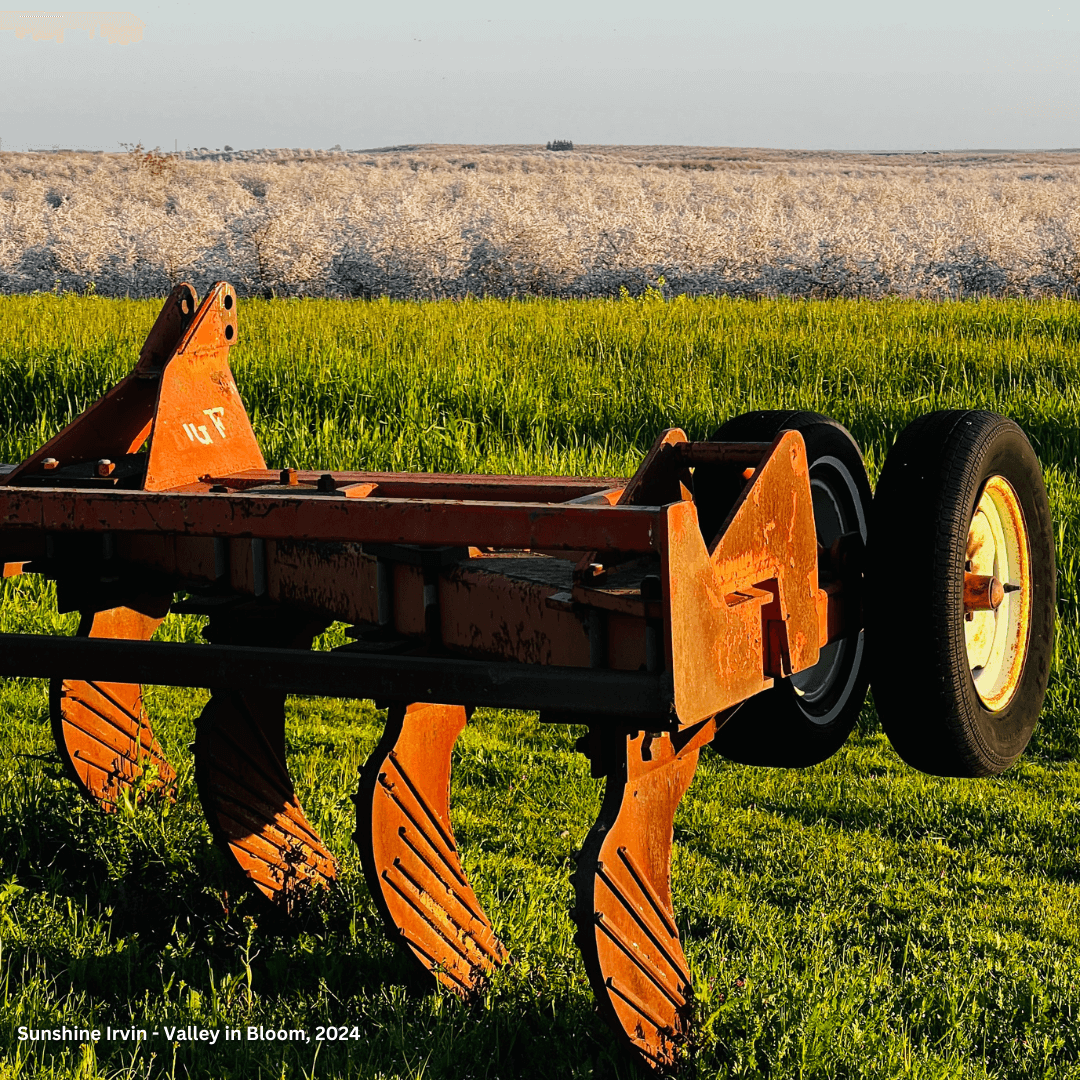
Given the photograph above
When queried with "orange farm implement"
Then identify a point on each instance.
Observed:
(741, 592)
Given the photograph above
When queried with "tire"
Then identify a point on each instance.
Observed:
(806, 718)
(960, 697)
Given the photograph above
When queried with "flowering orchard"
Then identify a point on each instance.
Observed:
(510, 221)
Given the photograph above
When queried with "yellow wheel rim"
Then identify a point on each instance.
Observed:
(997, 641)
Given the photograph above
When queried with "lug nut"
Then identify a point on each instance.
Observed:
(49, 463)
(289, 476)
(105, 467)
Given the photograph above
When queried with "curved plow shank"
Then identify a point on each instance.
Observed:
(248, 797)
(626, 924)
(101, 728)
(408, 851)
(241, 772)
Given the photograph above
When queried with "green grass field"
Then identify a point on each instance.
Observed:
(857, 919)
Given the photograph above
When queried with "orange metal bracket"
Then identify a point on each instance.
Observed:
(749, 609)
(200, 424)
(181, 396)
(118, 423)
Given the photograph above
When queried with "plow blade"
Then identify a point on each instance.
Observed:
(249, 801)
(101, 728)
(408, 851)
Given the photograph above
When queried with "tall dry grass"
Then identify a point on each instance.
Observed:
(449, 221)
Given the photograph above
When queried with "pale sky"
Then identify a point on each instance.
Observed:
(830, 74)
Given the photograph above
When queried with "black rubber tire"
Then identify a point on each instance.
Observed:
(931, 484)
(781, 727)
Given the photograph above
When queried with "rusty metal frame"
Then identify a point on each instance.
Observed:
(269, 515)
(595, 600)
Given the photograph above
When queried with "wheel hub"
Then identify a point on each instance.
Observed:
(997, 637)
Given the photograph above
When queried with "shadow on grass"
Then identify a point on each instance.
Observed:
(135, 919)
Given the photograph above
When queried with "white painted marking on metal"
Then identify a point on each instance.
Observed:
(215, 415)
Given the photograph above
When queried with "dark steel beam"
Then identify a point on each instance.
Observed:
(583, 691)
